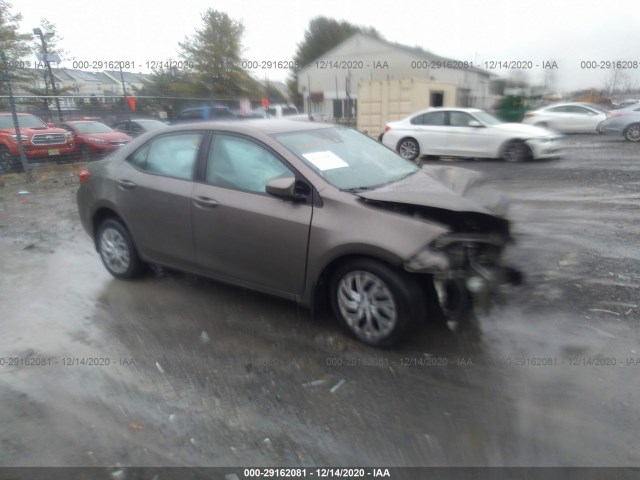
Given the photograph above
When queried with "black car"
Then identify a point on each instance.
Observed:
(138, 126)
(203, 114)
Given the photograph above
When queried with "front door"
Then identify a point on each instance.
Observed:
(241, 233)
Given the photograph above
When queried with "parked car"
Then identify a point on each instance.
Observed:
(623, 121)
(468, 132)
(138, 126)
(308, 212)
(93, 139)
(276, 111)
(204, 114)
(567, 117)
(38, 139)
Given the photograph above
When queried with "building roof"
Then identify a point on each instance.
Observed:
(129, 77)
(418, 52)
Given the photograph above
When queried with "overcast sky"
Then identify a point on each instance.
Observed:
(567, 32)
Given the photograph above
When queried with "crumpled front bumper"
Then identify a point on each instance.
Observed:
(467, 271)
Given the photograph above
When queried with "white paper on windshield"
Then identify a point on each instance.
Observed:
(325, 160)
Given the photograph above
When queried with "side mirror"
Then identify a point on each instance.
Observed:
(282, 187)
(474, 123)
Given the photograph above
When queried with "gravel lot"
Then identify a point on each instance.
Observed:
(175, 370)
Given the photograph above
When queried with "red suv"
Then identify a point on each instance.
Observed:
(38, 139)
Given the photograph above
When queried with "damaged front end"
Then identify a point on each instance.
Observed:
(466, 269)
(466, 262)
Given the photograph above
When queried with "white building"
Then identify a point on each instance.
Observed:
(329, 85)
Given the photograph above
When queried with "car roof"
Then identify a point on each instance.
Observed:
(258, 125)
(448, 109)
(568, 104)
(81, 121)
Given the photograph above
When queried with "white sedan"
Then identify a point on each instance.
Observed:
(567, 117)
(468, 132)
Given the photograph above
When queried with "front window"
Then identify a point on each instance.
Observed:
(346, 158)
(242, 165)
(459, 119)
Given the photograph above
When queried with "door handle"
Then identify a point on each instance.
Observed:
(205, 202)
(126, 184)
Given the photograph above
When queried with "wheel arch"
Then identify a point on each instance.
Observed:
(319, 291)
(100, 215)
(503, 146)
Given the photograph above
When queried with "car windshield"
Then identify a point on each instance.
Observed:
(487, 118)
(92, 127)
(151, 124)
(346, 158)
(24, 121)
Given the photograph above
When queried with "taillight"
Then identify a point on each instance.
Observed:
(614, 115)
(529, 114)
(83, 175)
(386, 128)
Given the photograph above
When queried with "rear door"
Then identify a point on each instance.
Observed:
(153, 194)
(431, 130)
(241, 233)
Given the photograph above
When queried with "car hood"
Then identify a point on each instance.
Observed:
(524, 129)
(449, 195)
(449, 188)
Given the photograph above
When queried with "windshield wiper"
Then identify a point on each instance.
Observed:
(359, 189)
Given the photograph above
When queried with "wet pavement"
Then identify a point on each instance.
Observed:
(176, 370)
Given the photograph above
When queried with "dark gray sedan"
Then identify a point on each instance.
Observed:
(315, 213)
(623, 121)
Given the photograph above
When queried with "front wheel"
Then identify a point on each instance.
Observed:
(516, 151)
(632, 133)
(85, 154)
(117, 250)
(378, 305)
(6, 159)
(408, 149)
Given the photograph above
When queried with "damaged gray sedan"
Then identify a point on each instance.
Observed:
(318, 214)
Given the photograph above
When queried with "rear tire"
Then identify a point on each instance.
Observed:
(516, 151)
(376, 304)
(632, 133)
(408, 149)
(117, 250)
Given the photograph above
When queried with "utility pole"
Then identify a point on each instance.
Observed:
(16, 125)
(38, 32)
(126, 100)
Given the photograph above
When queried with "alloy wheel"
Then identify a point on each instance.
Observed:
(115, 251)
(367, 305)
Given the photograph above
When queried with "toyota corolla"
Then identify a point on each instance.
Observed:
(315, 213)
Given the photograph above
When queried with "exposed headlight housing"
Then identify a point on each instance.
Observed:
(428, 260)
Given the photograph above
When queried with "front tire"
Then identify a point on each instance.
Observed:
(632, 133)
(377, 304)
(6, 159)
(85, 154)
(516, 151)
(117, 250)
(408, 149)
